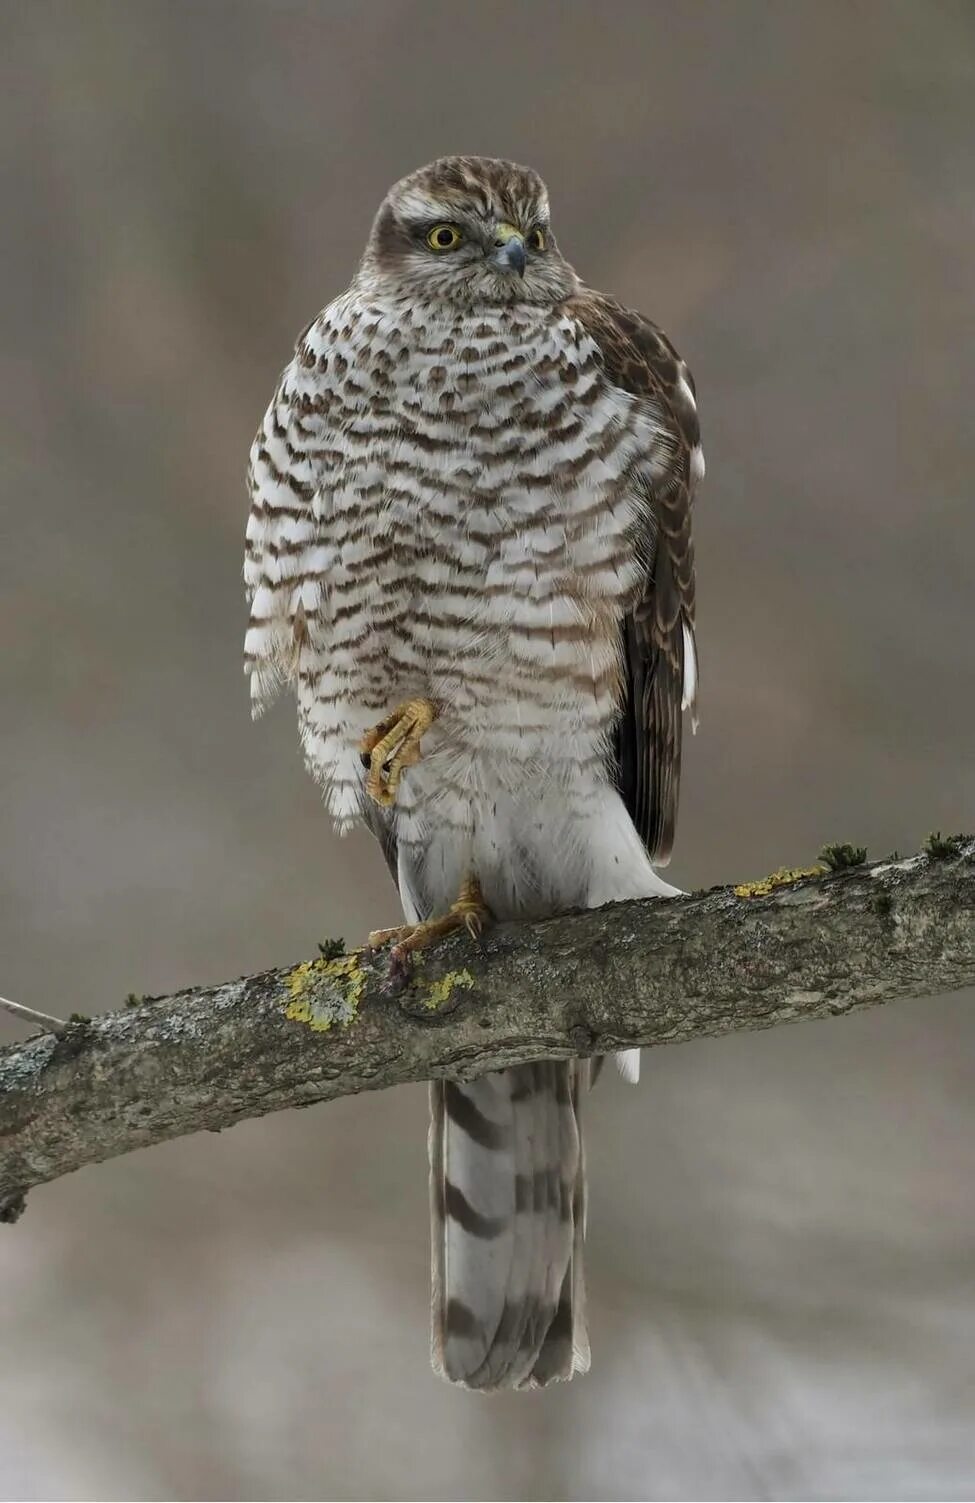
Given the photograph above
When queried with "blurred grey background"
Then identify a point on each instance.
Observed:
(782, 1230)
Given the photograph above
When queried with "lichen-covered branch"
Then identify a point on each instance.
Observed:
(791, 947)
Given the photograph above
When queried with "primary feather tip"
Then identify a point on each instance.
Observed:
(689, 691)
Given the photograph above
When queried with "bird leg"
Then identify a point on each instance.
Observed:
(392, 745)
(470, 912)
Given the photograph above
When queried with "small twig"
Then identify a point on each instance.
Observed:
(43, 1020)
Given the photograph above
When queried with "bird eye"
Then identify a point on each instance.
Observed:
(536, 240)
(444, 237)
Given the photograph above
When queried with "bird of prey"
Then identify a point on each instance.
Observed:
(469, 553)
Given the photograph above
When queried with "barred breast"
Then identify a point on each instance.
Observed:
(447, 505)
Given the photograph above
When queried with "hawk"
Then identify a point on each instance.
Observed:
(469, 553)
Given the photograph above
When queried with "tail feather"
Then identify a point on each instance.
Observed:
(508, 1211)
(565, 1349)
(513, 1303)
(474, 1241)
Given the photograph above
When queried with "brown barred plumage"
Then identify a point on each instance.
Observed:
(473, 487)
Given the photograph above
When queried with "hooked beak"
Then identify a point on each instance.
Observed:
(509, 250)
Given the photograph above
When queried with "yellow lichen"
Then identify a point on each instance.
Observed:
(437, 994)
(784, 877)
(324, 992)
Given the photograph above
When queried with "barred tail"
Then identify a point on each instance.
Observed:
(507, 1195)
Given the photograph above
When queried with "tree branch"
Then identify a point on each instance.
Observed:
(42, 1020)
(650, 972)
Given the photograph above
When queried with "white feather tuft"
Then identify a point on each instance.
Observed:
(628, 1064)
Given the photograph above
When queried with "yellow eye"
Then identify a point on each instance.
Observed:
(444, 237)
(536, 240)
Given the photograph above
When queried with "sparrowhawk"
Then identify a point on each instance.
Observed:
(469, 553)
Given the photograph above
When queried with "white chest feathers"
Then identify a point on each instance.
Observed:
(453, 506)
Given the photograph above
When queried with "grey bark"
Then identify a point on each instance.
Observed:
(646, 973)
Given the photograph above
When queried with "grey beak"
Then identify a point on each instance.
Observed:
(510, 255)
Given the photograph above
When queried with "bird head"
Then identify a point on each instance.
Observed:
(470, 231)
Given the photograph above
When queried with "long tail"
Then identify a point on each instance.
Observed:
(507, 1198)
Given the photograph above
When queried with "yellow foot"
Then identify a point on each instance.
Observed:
(392, 745)
(470, 912)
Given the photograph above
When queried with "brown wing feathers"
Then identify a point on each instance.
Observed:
(637, 357)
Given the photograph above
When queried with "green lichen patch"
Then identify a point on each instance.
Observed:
(325, 992)
(940, 847)
(786, 876)
(422, 996)
(438, 995)
(838, 858)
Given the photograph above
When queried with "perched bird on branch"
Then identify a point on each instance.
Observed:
(469, 552)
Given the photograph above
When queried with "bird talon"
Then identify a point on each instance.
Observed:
(470, 912)
(380, 937)
(391, 746)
